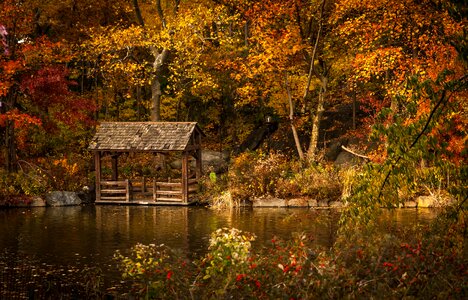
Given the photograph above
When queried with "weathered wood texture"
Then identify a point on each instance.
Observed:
(115, 138)
(138, 191)
(145, 136)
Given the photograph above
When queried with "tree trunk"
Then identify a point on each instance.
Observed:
(317, 117)
(10, 147)
(159, 59)
(291, 120)
(155, 100)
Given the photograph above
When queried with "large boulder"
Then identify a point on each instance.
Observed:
(62, 198)
(298, 202)
(214, 161)
(333, 150)
(269, 202)
(345, 158)
(87, 194)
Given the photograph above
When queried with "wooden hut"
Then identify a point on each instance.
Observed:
(116, 138)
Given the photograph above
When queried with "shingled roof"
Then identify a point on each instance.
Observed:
(143, 136)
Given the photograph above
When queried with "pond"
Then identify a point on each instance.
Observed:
(90, 235)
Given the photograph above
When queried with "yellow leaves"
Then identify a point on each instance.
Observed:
(70, 168)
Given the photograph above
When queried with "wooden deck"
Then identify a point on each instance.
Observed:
(146, 191)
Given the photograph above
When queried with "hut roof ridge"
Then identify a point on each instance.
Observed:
(143, 136)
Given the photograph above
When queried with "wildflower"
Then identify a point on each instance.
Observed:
(240, 277)
(257, 283)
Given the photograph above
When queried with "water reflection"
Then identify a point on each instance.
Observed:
(90, 235)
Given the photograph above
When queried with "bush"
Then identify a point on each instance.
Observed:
(18, 188)
(254, 174)
(154, 271)
(416, 263)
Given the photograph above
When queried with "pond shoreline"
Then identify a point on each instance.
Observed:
(296, 202)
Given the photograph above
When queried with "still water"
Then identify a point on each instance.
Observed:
(90, 235)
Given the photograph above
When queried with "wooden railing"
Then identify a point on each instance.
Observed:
(116, 190)
(146, 190)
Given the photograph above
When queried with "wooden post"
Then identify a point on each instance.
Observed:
(154, 189)
(198, 164)
(185, 178)
(128, 190)
(97, 167)
(115, 170)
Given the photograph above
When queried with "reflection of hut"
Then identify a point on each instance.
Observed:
(113, 139)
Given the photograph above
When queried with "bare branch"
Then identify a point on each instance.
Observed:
(139, 17)
(354, 153)
(160, 13)
(314, 52)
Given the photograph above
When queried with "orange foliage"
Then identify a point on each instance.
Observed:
(22, 123)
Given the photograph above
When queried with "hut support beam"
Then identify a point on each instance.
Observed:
(199, 165)
(115, 167)
(97, 165)
(185, 178)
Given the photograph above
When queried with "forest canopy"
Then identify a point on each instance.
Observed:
(382, 74)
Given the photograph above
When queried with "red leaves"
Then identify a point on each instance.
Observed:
(20, 120)
(240, 277)
(47, 86)
(22, 123)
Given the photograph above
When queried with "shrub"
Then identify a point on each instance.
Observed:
(16, 188)
(419, 262)
(153, 271)
(255, 174)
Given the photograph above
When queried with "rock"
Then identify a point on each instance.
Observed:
(346, 159)
(87, 194)
(410, 204)
(37, 202)
(322, 203)
(176, 164)
(426, 201)
(34, 201)
(214, 161)
(269, 202)
(298, 202)
(333, 150)
(62, 198)
(312, 203)
(335, 204)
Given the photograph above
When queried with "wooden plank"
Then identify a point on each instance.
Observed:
(193, 188)
(107, 191)
(168, 199)
(161, 192)
(169, 184)
(143, 202)
(121, 183)
(113, 198)
(193, 181)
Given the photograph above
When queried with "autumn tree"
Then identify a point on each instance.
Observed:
(34, 82)
(167, 55)
(409, 69)
(392, 42)
(288, 62)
